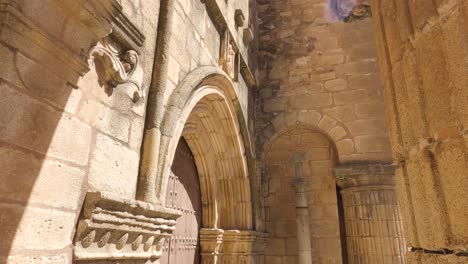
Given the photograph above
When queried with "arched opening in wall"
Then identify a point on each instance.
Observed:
(216, 192)
(302, 155)
(183, 193)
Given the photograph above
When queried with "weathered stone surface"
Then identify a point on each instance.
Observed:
(34, 126)
(38, 229)
(325, 67)
(59, 259)
(114, 123)
(28, 179)
(136, 229)
(113, 168)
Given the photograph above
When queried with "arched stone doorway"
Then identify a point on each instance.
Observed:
(206, 115)
(183, 194)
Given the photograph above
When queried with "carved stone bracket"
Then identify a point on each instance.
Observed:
(239, 18)
(115, 228)
(115, 70)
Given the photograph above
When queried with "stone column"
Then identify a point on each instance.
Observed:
(210, 243)
(373, 225)
(302, 212)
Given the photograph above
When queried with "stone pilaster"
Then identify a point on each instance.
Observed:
(373, 226)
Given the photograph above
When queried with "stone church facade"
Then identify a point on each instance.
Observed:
(225, 132)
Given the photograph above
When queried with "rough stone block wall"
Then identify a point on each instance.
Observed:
(323, 71)
(423, 49)
(61, 132)
(282, 246)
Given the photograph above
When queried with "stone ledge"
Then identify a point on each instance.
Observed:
(114, 228)
(364, 174)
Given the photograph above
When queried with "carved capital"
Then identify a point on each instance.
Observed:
(115, 228)
(118, 70)
(230, 246)
(239, 243)
(300, 185)
(210, 240)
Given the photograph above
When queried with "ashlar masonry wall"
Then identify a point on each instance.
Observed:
(61, 132)
(422, 52)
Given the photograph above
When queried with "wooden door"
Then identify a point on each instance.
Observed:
(183, 194)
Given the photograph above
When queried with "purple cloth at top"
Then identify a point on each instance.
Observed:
(340, 9)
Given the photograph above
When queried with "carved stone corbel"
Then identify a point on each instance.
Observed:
(118, 71)
(115, 228)
(239, 18)
(228, 59)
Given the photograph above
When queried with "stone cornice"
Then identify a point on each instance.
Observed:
(114, 228)
(124, 30)
(19, 32)
(364, 174)
(100, 17)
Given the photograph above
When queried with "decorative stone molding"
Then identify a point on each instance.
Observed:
(228, 58)
(115, 228)
(231, 246)
(210, 243)
(63, 56)
(359, 174)
(124, 30)
(115, 70)
(219, 19)
(238, 243)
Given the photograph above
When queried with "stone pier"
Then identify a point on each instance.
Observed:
(372, 219)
